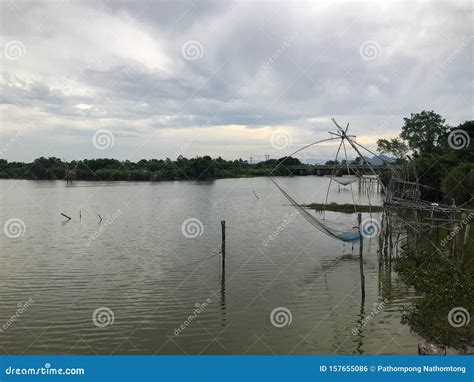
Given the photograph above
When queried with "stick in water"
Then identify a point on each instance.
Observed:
(67, 217)
(100, 217)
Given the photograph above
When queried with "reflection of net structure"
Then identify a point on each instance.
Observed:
(70, 173)
(345, 181)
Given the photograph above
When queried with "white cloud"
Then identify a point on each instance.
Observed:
(84, 106)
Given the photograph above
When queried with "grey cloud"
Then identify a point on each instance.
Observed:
(263, 64)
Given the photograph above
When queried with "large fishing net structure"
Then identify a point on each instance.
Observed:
(353, 234)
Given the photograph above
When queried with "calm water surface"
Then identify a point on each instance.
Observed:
(139, 265)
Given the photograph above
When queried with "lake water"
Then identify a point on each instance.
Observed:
(129, 284)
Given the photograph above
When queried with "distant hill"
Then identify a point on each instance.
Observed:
(376, 161)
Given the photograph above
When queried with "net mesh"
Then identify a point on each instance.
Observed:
(348, 236)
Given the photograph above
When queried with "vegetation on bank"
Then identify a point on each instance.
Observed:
(445, 288)
(438, 157)
(344, 208)
(199, 168)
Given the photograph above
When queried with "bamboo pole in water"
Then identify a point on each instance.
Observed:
(361, 251)
(223, 243)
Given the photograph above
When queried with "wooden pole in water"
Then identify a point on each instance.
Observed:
(361, 251)
(223, 243)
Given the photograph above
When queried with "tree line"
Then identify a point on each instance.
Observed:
(104, 169)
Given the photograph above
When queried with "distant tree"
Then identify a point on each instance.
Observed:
(290, 161)
(332, 162)
(395, 146)
(425, 132)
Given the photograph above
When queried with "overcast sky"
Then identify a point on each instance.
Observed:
(155, 79)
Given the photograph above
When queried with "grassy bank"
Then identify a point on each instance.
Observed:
(344, 208)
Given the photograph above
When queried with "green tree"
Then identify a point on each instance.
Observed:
(395, 146)
(425, 132)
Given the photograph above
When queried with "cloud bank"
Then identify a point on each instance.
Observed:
(225, 76)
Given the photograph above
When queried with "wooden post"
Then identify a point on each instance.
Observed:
(361, 251)
(223, 268)
(223, 243)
